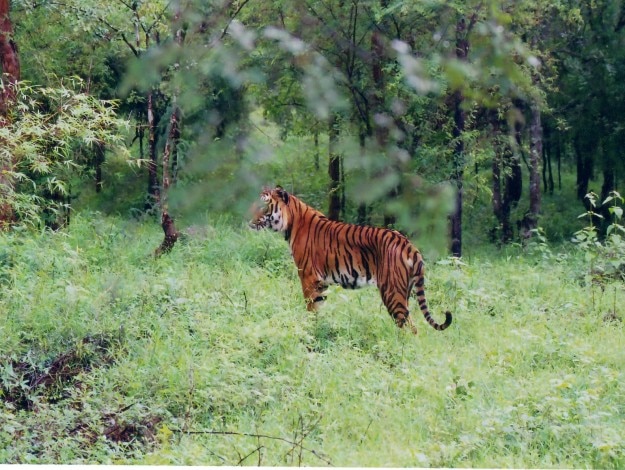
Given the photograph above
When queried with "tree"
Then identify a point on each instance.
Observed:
(10, 74)
(536, 155)
(101, 39)
(462, 51)
(408, 98)
(171, 147)
(45, 137)
(335, 206)
(586, 41)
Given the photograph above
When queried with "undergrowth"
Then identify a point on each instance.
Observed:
(208, 356)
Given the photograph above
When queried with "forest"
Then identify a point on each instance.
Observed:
(143, 322)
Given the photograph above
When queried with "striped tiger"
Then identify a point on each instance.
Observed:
(328, 252)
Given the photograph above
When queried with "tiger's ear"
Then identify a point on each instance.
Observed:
(282, 194)
(265, 195)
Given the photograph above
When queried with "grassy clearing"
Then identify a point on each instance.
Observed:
(208, 356)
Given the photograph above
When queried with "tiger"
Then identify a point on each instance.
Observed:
(329, 252)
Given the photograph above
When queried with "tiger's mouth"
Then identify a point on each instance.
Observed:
(258, 213)
(259, 224)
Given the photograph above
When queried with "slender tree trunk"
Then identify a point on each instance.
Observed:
(609, 181)
(498, 181)
(505, 181)
(536, 151)
(514, 183)
(167, 222)
(362, 216)
(334, 170)
(547, 152)
(462, 52)
(514, 178)
(377, 97)
(381, 128)
(559, 160)
(549, 184)
(316, 140)
(583, 150)
(154, 193)
(497, 192)
(10, 69)
(342, 187)
(546, 157)
(9, 61)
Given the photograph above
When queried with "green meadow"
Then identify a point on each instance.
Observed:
(208, 356)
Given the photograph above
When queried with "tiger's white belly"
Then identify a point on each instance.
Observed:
(362, 282)
(347, 281)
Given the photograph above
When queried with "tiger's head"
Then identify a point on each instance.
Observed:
(271, 213)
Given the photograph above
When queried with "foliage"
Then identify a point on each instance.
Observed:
(48, 140)
(606, 258)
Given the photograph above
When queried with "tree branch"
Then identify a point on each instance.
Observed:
(261, 436)
(232, 18)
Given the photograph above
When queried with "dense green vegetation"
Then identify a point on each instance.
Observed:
(400, 102)
(208, 356)
(486, 130)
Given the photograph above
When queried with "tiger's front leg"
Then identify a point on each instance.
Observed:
(396, 302)
(313, 289)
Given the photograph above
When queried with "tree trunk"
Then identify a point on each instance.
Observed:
(167, 222)
(377, 97)
(503, 162)
(547, 152)
(559, 160)
(497, 190)
(514, 186)
(462, 52)
(9, 60)
(154, 193)
(10, 75)
(514, 178)
(536, 151)
(380, 126)
(609, 181)
(316, 140)
(583, 152)
(153, 198)
(334, 170)
(362, 216)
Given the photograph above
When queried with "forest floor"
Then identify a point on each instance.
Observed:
(208, 356)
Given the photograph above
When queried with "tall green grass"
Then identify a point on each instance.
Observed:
(212, 358)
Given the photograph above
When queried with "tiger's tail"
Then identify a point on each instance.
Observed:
(420, 295)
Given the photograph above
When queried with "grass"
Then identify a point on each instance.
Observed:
(208, 356)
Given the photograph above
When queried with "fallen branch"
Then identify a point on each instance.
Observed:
(260, 436)
(243, 459)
